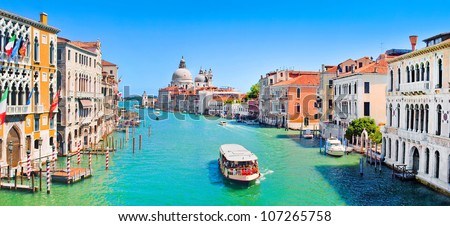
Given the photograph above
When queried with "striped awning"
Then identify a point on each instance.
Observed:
(86, 103)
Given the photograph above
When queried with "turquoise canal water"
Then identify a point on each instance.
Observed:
(178, 166)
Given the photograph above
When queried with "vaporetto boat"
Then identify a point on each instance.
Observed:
(236, 163)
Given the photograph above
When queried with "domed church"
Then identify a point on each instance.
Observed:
(182, 77)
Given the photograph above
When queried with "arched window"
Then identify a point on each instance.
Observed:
(391, 84)
(403, 152)
(306, 121)
(422, 118)
(439, 85)
(398, 115)
(36, 95)
(427, 116)
(390, 115)
(407, 116)
(399, 76)
(417, 73)
(297, 108)
(422, 72)
(438, 119)
(428, 71)
(52, 50)
(36, 49)
(396, 150)
(298, 92)
(437, 159)
(413, 74)
(408, 79)
(427, 161)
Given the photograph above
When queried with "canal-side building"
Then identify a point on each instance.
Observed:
(28, 71)
(272, 109)
(81, 102)
(293, 101)
(110, 89)
(417, 132)
(359, 91)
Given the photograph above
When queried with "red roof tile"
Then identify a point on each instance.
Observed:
(106, 63)
(304, 79)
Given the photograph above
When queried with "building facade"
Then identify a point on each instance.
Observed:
(29, 73)
(417, 132)
(110, 90)
(359, 91)
(293, 102)
(81, 102)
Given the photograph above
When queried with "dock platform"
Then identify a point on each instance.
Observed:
(18, 187)
(76, 174)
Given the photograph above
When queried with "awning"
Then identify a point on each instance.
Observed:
(86, 103)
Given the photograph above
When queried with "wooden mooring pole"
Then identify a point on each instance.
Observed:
(140, 141)
(21, 175)
(361, 166)
(32, 182)
(133, 144)
(15, 179)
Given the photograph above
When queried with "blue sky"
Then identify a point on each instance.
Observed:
(239, 40)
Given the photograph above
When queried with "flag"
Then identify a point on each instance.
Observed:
(29, 97)
(54, 104)
(9, 47)
(3, 104)
(15, 50)
(23, 49)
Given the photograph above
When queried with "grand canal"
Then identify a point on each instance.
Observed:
(178, 166)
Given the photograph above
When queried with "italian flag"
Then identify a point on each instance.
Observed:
(3, 103)
(9, 47)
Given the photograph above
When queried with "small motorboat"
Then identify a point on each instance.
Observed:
(307, 134)
(334, 147)
(223, 123)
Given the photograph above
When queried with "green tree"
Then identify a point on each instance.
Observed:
(358, 125)
(254, 91)
(376, 136)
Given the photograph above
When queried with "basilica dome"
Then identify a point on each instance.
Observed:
(182, 74)
(200, 77)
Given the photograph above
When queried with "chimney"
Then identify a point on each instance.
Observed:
(413, 40)
(43, 18)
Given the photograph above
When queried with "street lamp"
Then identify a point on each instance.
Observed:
(10, 148)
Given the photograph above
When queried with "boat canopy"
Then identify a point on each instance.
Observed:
(235, 152)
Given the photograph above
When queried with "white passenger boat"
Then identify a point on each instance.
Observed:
(238, 164)
(334, 147)
(223, 123)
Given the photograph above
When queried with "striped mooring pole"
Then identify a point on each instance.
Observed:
(107, 158)
(48, 176)
(68, 169)
(28, 164)
(79, 154)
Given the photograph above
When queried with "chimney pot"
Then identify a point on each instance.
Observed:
(43, 18)
(413, 40)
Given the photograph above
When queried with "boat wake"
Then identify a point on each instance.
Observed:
(263, 173)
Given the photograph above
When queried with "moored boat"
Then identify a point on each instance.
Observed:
(334, 147)
(236, 163)
(307, 134)
(223, 123)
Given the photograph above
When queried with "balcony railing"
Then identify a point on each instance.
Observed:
(411, 135)
(415, 87)
(85, 95)
(18, 110)
(38, 109)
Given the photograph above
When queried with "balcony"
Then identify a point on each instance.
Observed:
(415, 87)
(18, 110)
(39, 109)
(85, 95)
(413, 136)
